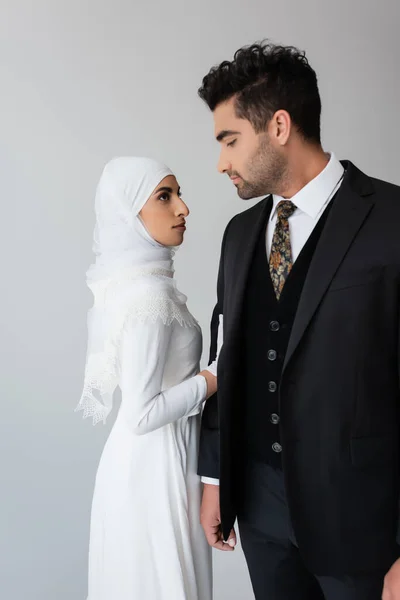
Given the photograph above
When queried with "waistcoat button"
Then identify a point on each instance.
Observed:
(272, 386)
(272, 354)
(274, 326)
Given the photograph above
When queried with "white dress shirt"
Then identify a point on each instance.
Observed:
(311, 202)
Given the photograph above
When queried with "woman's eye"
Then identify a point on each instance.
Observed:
(232, 143)
(164, 197)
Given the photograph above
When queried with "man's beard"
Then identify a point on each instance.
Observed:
(266, 172)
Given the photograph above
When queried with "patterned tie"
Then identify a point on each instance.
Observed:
(280, 260)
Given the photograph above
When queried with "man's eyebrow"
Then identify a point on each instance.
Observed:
(225, 133)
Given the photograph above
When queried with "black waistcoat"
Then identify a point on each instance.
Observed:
(267, 324)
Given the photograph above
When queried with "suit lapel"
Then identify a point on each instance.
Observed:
(349, 211)
(243, 257)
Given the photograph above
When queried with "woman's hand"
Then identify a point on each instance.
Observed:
(210, 373)
(211, 382)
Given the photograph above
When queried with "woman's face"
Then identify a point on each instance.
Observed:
(165, 212)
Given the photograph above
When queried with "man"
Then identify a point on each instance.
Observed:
(303, 434)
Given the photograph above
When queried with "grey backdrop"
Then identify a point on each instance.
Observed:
(82, 81)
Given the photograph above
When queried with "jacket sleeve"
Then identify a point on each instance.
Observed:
(398, 512)
(208, 465)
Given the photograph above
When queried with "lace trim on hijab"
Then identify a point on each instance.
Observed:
(103, 368)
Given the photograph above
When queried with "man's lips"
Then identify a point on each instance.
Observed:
(181, 227)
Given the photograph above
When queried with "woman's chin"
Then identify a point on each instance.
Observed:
(179, 239)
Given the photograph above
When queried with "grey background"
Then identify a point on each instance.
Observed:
(82, 81)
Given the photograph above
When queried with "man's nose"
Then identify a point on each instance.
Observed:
(223, 164)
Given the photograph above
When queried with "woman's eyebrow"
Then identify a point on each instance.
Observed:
(164, 189)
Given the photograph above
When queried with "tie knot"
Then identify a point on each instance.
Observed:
(285, 209)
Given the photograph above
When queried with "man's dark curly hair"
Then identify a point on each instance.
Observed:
(265, 78)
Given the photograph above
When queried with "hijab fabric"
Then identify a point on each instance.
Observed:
(130, 273)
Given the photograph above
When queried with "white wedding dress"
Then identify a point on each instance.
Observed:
(146, 541)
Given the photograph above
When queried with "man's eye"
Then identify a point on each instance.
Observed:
(232, 143)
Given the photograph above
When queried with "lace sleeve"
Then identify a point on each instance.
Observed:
(145, 407)
(151, 307)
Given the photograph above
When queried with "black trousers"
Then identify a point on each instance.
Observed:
(276, 569)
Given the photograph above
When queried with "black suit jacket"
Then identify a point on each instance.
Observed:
(339, 392)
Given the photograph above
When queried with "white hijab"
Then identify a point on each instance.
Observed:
(129, 263)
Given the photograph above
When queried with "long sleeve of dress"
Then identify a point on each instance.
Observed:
(145, 404)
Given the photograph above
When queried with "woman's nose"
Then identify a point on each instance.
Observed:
(183, 209)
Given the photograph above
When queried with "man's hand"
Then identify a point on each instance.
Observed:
(391, 586)
(211, 520)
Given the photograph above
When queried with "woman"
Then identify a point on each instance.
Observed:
(146, 541)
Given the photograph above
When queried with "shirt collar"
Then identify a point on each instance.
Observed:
(312, 197)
